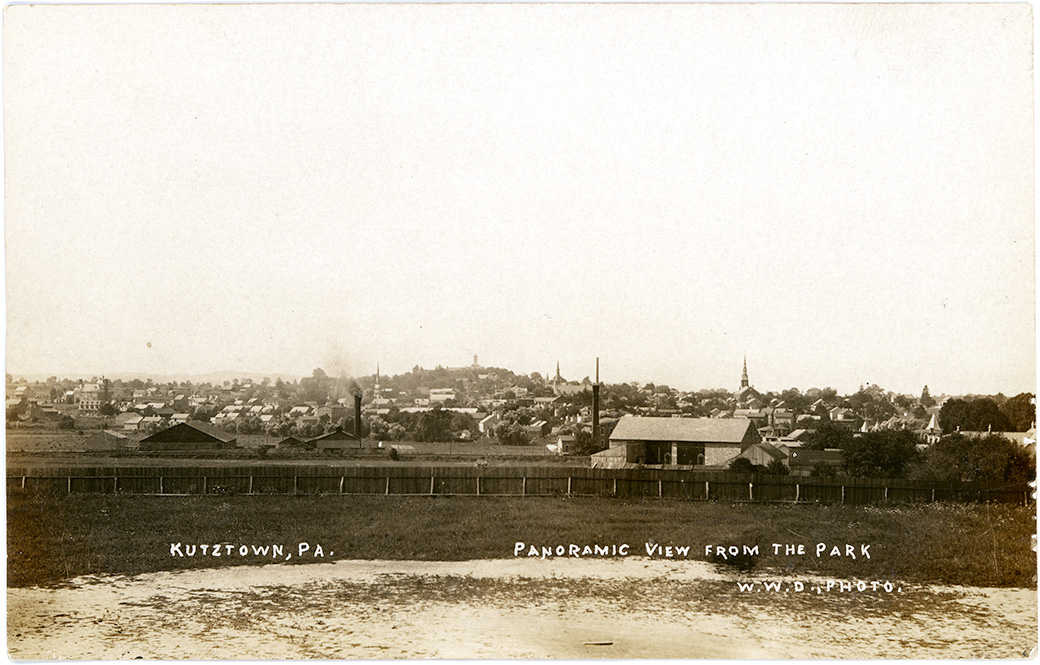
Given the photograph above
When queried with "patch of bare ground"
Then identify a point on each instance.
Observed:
(511, 608)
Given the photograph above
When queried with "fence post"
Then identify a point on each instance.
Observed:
(933, 495)
(388, 485)
(23, 482)
(660, 489)
(295, 483)
(615, 486)
(115, 484)
(431, 484)
(250, 483)
(797, 492)
(478, 485)
(568, 485)
(886, 493)
(341, 479)
(204, 483)
(843, 494)
(160, 486)
(751, 491)
(70, 484)
(707, 490)
(523, 486)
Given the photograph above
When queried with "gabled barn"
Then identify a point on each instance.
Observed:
(337, 439)
(192, 435)
(680, 441)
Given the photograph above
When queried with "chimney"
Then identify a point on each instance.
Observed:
(357, 415)
(595, 409)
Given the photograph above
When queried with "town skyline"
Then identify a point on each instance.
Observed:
(844, 193)
(223, 376)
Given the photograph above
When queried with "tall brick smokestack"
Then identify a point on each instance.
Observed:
(357, 415)
(595, 409)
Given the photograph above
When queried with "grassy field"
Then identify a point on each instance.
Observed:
(54, 538)
(52, 447)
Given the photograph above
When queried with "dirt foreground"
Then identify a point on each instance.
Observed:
(510, 608)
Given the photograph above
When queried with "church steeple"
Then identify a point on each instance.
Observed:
(743, 376)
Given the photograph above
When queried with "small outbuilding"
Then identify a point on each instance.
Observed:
(762, 454)
(102, 442)
(292, 443)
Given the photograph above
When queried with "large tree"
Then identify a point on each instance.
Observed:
(1020, 411)
(927, 401)
(884, 454)
(828, 436)
(434, 425)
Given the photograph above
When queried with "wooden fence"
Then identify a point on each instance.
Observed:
(520, 481)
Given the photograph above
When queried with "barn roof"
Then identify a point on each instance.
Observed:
(336, 435)
(192, 431)
(720, 430)
(293, 442)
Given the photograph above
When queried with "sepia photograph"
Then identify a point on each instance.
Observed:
(536, 331)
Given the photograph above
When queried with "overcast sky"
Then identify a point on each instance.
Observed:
(844, 193)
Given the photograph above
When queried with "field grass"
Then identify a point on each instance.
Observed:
(48, 446)
(51, 539)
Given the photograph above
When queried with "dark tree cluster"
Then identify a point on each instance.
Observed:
(991, 458)
(974, 415)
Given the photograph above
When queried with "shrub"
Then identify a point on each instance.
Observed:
(778, 468)
(742, 465)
